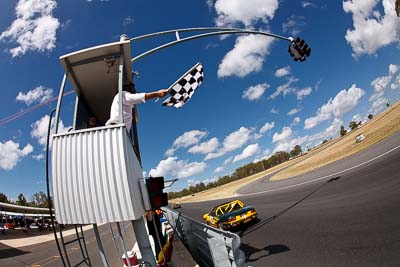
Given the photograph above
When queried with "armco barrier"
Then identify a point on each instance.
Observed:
(207, 245)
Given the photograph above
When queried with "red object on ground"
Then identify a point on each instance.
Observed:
(9, 226)
(132, 259)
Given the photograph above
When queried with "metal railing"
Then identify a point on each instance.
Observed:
(207, 245)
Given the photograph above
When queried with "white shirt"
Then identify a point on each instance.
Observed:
(128, 100)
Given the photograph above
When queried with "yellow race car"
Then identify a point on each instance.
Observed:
(229, 215)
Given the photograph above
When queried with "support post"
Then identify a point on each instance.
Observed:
(59, 102)
(123, 245)
(120, 85)
(142, 238)
(100, 245)
(139, 228)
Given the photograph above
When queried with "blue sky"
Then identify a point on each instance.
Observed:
(255, 100)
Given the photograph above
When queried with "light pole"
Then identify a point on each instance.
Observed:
(388, 104)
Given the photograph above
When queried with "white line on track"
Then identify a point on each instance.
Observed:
(320, 178)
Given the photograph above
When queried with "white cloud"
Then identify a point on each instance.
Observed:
(232, 12)
(356, 117)
(170, 152)
(177, 168)
(34, 28)
(257, 136)
(343, 102)
(249, 52)
(65, 25)
(219, 169)
(317, 85)
(310, 140)
(10, 154)
(306, 4)
(284, 89)
(209, 180)
(379, 98)
(274, 111)
(293, 25)
(289, 144)
(283, 72)
(127, 20)
(40, 127)
(378, 105)
(210, 4)
(189, 138)
(303, 92)
(284, 135)
(237, 139)
(255, 92)
(205, 147)
(38, 157)
(381, 83)
(191, 182)
(214, 155)
(232, 142)
(38, 95)
(331, 131)
(247, 56)
(227, 161)
(185, 140)
(267, 126)
(296, 121)
(294, 111)
(324, 113)
(396, 83)
(249, 151)
(265, 155)
(287, 88)
(371, 29)
(393, 69)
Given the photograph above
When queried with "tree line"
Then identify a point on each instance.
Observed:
(240, 173)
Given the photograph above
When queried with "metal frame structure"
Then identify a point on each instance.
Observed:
(213, 31)
(138, 224)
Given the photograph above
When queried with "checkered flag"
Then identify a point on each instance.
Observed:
(183, 89)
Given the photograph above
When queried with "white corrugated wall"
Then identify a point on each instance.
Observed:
(95, 176)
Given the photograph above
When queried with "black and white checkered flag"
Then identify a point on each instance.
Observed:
(183, 89)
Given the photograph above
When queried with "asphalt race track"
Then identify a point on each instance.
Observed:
(350, 218)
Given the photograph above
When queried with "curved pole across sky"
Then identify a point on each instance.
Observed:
(211, 32)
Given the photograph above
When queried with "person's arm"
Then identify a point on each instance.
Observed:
(160, 93)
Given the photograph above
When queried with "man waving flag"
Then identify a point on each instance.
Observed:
(183, 89)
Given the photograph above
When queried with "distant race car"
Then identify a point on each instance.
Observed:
(360, 138)
(230, 215)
